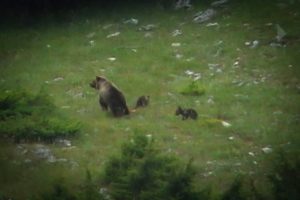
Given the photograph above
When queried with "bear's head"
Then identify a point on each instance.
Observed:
(98, 82)
(178, 111)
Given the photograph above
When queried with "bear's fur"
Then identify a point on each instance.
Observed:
(186, 113)
(142, 101)
(110, 96)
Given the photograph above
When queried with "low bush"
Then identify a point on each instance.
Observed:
(59, 192)
(141, 172)
(27, 117)
(285, 176)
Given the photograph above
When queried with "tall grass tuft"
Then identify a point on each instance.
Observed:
(192, 89)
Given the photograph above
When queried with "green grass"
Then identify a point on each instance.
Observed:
(259, 98)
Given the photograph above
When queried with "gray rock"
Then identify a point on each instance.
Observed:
(42, 152)
(131, 21)
(267, 150)
(183, 4)
(218, 3)
(204, 16)
(148, 27)
(63, 142)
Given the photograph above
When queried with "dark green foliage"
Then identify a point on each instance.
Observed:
(242, 188)
(89, 189)
(141, 172)
(20, 104)
(286, 177)
(235, 191)
(3, 197)
(27, 117)
(59, 192)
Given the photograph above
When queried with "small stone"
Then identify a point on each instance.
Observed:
(131, 21)
(63, 142)
(149, 136)
(254, 44)
(231, 138)
(189, 72)
(176, 33)
(107, 26)
(236, 63)
(58, 79)
(113, 35)
(148, 35)
(208, 174)
(112, 59)
(197, 77)
(51, 159)
(92, 42)
(27, 161)
(247, 43)
(204, 16)
(178, 56)
(190, 59)
(210, 100)
(212, 24)
(218, 3)
(90, 35)
(251, 154)
(226, 124)
(176, 44)
(148, 27)
(219, 70)
(65, 107)
(212, 65)
(267, 150)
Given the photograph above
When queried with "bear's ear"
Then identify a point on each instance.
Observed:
(100, 78)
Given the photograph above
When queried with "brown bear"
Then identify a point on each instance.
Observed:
(110, 96)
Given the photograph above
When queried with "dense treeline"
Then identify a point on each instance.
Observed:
(45, 6)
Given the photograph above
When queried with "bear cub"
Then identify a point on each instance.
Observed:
(186, 113)
(142, 101)
(110, 97)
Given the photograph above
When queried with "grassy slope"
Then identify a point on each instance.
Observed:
(261, 113)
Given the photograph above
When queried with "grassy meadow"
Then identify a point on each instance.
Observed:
(255, 90)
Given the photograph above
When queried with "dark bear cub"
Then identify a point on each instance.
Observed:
(142, 101)
(110, 96)
(186, 113)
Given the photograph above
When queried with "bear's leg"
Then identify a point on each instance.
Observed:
(103, 104)
(125, 110)
(117, 111)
